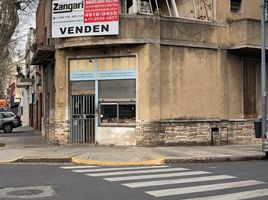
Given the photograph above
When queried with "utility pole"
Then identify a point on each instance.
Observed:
(263, 75)
(263, 66)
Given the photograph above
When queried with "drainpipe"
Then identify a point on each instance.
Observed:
(263, 76)
(175, 9)
(97, 114)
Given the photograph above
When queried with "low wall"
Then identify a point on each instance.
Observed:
(195, 132)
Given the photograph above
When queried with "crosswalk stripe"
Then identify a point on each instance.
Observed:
(177, 181)
(79, 167)
(236, 196)
(137, 172)
(117, 169)
(203, 188)
(138, 177)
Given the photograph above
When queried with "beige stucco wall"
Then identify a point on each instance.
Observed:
(61, 86)
(246, 32)
(235, 86)
(135, 29)
(250, 9)
(191, 84)
(148, 80)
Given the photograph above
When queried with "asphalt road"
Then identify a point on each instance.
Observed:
(215, 181)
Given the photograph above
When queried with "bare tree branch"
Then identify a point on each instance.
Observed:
(10, 13)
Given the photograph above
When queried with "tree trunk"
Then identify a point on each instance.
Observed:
(9, 20)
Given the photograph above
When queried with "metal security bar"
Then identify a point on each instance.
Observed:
(83, 119)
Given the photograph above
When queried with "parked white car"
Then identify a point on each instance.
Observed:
(8, 121)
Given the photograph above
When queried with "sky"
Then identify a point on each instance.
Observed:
(27, 20)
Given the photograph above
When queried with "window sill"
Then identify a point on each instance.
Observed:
(118, 125)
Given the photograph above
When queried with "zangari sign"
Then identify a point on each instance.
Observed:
(73, 18)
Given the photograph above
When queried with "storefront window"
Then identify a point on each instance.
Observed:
(127, 113)
(118, 113)
(117, 90)
(117, 100)
(108, 113)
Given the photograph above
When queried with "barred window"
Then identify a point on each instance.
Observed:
(235, 5)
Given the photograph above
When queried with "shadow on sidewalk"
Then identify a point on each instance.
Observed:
(23, 137)
(23, 131)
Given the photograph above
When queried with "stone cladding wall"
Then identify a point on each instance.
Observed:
(56, 132)
(195, 132)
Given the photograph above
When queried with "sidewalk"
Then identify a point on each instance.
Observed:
(26, 145)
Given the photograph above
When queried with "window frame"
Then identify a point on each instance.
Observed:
(117, 103)
(238, 10)
(6, 115)
(130, 98)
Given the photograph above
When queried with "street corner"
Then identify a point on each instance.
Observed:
(8, 161)
(77, 160)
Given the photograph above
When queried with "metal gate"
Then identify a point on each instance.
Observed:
(83, 119)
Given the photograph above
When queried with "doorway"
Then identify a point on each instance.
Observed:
(250, 89)
(82, 119)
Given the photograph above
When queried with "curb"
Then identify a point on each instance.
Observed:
(113, 163)
(160, 161)
(43, 160)
(214, 159)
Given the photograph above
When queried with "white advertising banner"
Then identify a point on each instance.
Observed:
(72, 18)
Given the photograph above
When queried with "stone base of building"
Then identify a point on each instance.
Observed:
(195, 132)
(171, 132)
(56, 132)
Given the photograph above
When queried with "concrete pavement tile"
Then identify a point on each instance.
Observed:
(145, 153)
(9, 155)
(115, 156)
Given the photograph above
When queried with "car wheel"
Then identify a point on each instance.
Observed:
(7, 128)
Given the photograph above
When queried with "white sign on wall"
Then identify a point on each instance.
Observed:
(72, 18)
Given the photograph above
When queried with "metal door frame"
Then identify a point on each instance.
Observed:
(82, 118)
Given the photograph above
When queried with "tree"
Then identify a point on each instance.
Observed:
(10, 13)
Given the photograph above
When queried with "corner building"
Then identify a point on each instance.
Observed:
(180, 72)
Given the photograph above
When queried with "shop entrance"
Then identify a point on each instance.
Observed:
(82, 119)
(102, 89)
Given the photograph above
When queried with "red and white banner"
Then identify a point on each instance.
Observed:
(101, 11)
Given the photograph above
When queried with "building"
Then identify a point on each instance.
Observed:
(44, 60)
(26, 83)
(177, 72)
